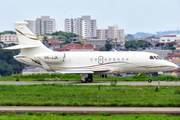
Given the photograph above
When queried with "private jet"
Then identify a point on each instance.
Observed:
(34, 53)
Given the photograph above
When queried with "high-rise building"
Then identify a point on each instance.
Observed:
(115, 33)
(85, 26)
(31, 25)
(42, 25)
(102, 33)
(112, 32)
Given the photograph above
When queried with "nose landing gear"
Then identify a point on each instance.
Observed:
(149, 81)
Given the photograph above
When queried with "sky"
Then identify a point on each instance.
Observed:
(133, 16)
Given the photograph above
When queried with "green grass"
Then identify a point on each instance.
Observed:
(75, 77)
(84, 95)
(99, 116)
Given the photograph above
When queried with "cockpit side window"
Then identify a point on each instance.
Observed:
(151, 57)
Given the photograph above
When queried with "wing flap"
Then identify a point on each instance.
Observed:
(83, 71)
(75, 71)
(101, 70)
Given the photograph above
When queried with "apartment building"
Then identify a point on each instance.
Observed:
(112, 32)
(42, 25)
(102, 33)
(9, 38)
(84, 26)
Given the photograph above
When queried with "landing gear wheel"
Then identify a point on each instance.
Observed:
(84, 81)
(149, 80)
(89, 79)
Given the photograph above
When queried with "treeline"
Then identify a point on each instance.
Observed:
(62, 36)
(7, 32)
(8, 65)
(134, 45)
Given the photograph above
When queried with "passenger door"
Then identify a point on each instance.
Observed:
(100, 59)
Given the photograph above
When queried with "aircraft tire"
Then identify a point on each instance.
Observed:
(84, 81)
(90, 79)
(149, 81)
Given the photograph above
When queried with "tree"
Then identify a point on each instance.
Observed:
(134, 45)
(7, 32)
(45, 41)
(108, 46)
(102, 48)
(171, 46)
(8, 64)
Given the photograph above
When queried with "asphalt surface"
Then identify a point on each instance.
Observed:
(120, 110)
(134, 83)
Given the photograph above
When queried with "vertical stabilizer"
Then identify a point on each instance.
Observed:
(28, 42)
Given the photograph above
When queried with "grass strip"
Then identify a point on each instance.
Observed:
(85, 95)
(98, 116)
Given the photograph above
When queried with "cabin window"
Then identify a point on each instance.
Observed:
(109, 59)
(151, 57)
(91, 59)
(105, 59)
(122, 59)
(114, 59)
(118, 59)
(127, 59)
(95, 59)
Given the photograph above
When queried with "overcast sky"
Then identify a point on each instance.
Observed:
(131, 15)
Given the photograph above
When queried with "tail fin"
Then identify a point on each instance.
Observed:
(27, 40)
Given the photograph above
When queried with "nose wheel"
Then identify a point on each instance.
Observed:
(149, 81)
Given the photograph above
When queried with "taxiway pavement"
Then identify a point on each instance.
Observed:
(120, 110)
(134, 83)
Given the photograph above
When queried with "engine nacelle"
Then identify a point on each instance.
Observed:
(53, 57)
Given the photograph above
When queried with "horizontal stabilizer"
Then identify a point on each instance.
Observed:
(76, 71)
(21, 46)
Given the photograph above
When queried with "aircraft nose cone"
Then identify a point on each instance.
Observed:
(176, 66)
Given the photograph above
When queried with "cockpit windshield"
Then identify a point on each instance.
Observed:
(155, 57)
(151, 57)
(159, 57)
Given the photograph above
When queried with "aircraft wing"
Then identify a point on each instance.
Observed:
(83, 71)
(21, 46)
(101, 70)
(76, 71)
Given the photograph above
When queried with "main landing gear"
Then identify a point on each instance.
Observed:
(88, 79)
(149, 81)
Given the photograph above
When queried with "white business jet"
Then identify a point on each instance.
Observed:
(34, 53)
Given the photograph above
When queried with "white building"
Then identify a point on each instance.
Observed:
(9, 38)
(115, 33)
(85, 26)
(102, 33)
(42, 25)
(112, 32)
(169, 38)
